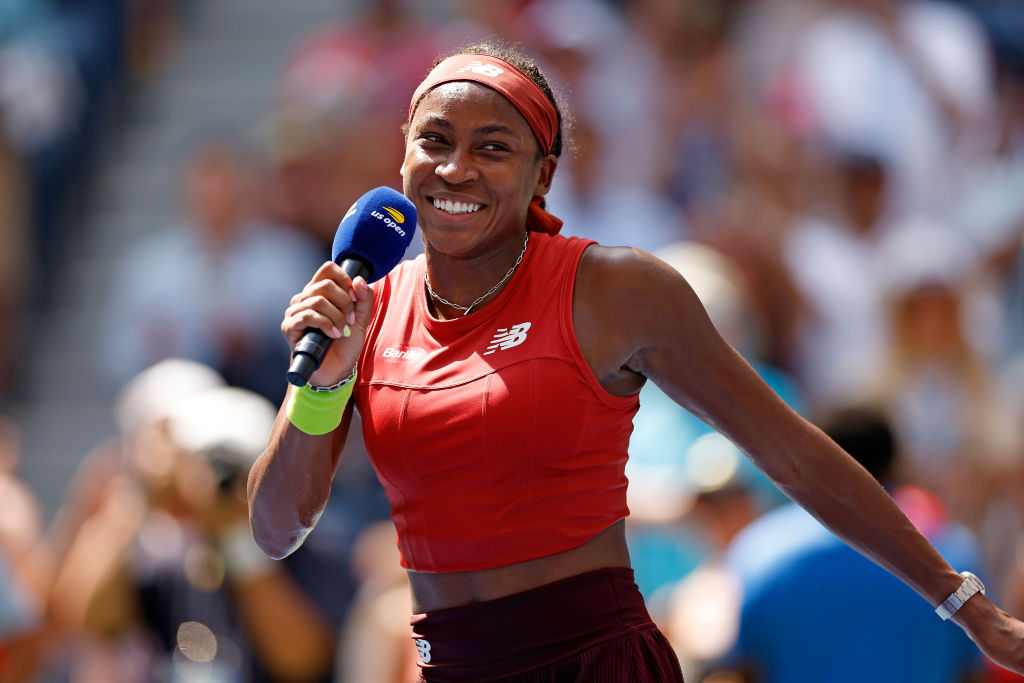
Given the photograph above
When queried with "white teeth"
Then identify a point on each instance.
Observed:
(448, 206)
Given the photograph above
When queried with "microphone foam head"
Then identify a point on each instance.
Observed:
(377, 230)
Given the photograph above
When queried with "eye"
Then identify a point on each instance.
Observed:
(433, 138)
(494, 147)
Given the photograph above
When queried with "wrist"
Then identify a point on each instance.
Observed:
(333, 386)
(966, 590)
(318, 410)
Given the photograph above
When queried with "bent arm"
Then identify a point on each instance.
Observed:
(668, 337)
(290, 482)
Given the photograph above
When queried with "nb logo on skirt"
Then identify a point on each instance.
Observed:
(424, 647)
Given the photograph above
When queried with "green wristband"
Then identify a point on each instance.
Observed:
(318, 412)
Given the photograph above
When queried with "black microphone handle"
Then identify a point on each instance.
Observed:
(311, 348)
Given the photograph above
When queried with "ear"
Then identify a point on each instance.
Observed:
(548, 165)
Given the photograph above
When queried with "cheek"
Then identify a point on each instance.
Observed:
(414, 160)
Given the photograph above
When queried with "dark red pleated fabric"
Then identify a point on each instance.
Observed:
(591, 628)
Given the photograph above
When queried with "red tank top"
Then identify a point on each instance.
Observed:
(491, 435)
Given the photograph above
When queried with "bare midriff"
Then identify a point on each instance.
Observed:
(433, 591)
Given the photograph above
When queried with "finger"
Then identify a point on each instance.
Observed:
(332, 271)
(338, 294)
(334, 274)
(316, 312)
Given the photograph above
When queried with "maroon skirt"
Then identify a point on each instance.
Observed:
(592, 627)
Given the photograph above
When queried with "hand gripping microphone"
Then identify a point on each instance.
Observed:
(371, 240)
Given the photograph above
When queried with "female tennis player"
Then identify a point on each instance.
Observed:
(497, 376)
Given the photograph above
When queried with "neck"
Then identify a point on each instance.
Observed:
(454, 283)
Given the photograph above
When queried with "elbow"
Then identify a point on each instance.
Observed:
(278, 537)
(278, 526)
(276, 543)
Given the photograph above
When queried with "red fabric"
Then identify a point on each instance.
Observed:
(539, 220)
(499, 75)
(592, 627)
(490, 434)
(997, 674)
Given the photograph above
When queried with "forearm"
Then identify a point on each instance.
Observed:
(821, 477)
(814, 472)
(289, 484)
(863, 515)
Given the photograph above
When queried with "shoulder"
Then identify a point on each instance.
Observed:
(622, 265)
(629, 282)
(627, 304)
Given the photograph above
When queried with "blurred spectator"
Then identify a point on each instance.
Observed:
(810, 602)
(59, 62)
(627, 213)
(174, 582)
(696, 99)
(961, 434)
(375, 645)
(911, 80)
(935, 383)
(991, 211)
(832, 255)
(611, 76)
(15, 261)
(698, 612)
(152, 29)
(22, 587)
(213, 287)
(334, 131)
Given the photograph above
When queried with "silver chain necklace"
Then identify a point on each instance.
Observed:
(465, 309)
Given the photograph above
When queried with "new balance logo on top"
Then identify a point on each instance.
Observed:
(506, 338)
(482, 69)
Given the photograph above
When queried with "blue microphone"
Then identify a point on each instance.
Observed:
(371, 240)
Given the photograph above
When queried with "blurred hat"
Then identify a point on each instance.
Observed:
(226, 424)
(153, 394)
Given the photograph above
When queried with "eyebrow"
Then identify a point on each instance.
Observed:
(440, 121)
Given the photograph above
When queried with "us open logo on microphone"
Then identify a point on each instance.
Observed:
(392, 220)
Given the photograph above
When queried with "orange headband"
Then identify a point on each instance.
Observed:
(498, 74)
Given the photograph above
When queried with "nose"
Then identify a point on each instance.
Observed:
(457, 167)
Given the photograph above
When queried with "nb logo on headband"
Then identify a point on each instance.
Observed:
(479, 67)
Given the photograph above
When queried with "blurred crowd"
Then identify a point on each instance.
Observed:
(841, 181)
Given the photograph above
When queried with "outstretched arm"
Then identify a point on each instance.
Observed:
(659, 330)
(289, 484)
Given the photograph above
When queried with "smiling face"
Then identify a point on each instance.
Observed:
(472, 166)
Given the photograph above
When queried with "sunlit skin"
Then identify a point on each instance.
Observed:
(635, 318)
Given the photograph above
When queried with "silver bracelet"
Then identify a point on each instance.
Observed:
(334, 387)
